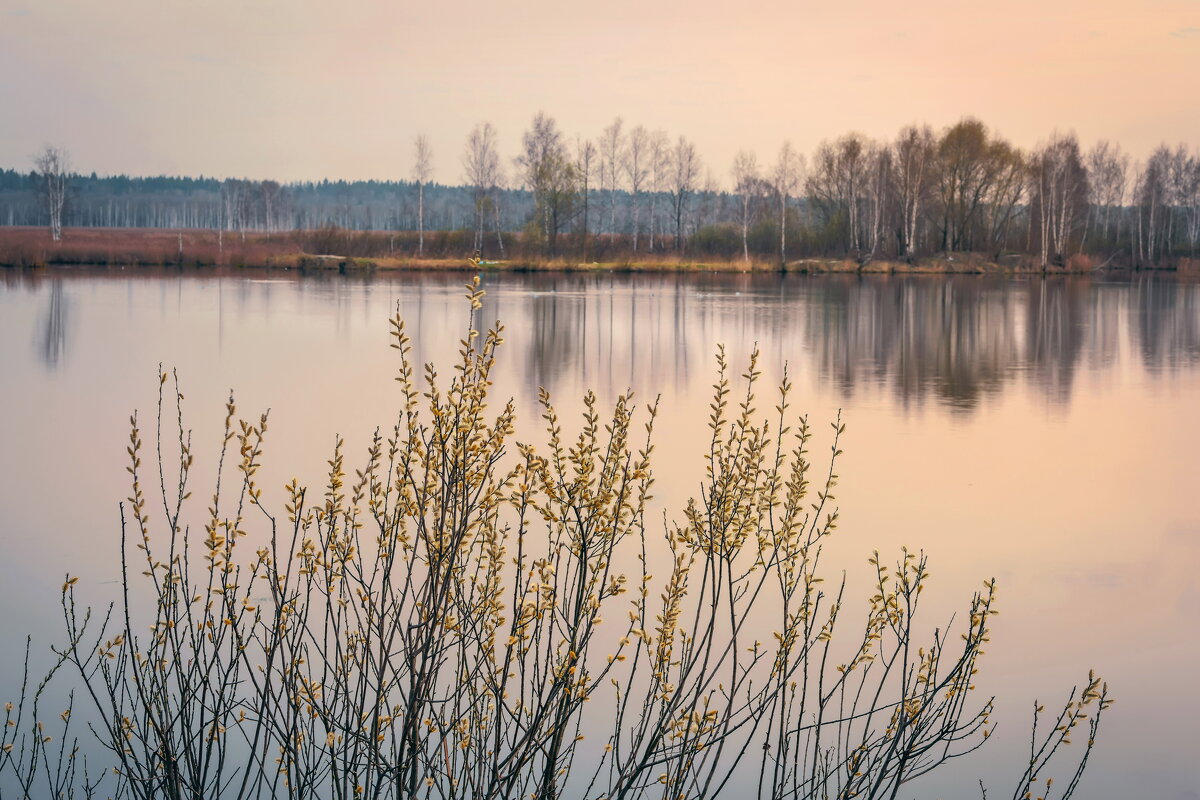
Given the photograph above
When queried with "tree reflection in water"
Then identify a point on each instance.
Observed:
(953, 340)
(52, 342)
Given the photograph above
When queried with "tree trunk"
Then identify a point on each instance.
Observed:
(421, 220)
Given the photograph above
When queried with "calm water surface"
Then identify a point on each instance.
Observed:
(1045, 432)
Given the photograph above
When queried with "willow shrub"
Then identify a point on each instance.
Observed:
(468, 617)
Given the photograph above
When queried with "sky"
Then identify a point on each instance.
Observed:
(298, 90)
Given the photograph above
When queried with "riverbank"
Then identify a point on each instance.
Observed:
(124, 247)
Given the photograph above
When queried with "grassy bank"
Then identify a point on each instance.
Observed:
(340, 251)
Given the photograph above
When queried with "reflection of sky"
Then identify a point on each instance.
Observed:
(954, 341)
(1040, 431)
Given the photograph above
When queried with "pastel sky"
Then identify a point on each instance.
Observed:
(295, 90)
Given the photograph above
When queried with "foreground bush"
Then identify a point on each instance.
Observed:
(468, 617)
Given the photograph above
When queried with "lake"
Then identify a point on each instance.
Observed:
(1042, 431)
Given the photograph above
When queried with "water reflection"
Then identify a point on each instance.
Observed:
(1057, 315)
(953, 340)
(978, 474)
(1167, 323)
(52, 341)
(614, 334)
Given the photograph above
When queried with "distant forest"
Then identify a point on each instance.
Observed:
(121, 201)
(633, 191)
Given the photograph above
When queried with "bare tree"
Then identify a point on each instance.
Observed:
(274, 205)
(836, 184)
(878, 194)
(53, 166)
(1190, 198)
(710, 203)
(637, 168)
(481, 165)
(1152, 196)
(1003, 197)
(497, 194)
(422, 172)
(1108, 168)
(912, 168)
(746, 185)
(684, 174)
(551, 177)
(235, 202)
(786, 177)
(1059, 194)
(585, 160)
(660, 163)
(612, 157)
(1183, 191)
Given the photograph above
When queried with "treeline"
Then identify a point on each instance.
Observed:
(633, 191)
(121, 201)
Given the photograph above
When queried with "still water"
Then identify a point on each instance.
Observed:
(1045, 432)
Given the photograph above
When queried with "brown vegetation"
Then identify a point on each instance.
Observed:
(137, 247)
(342, 250)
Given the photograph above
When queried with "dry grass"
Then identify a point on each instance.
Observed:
(33, 247)
(344, 251)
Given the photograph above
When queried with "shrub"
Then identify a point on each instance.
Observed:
(465, 616)
(717, 240)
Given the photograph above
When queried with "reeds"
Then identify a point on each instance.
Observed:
(469, 616)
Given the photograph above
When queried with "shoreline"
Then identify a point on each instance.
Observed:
(306, 264)
(205, 250)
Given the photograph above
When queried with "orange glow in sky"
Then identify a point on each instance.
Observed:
(298, 90)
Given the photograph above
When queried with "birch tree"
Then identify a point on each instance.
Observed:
(274, 205)
(53, 166)
(1108, 168)
(497, 193)
(912, 165)
(836, 184)
(1059, 195)
(786, 177)
(684, 174)
(585, 164)
(422, 172)
(637, 170)
(612, 156)
(1151, 197)
(481, 165)
(1191, 202)
(1183, 188)
(745, 185)
(878, 190)
(660, 163)
(235, 205)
